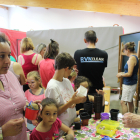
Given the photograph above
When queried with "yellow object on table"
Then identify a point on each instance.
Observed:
(107, 127)
(107, 90)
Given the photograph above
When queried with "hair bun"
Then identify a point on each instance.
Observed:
(132, 44)
(52, 41)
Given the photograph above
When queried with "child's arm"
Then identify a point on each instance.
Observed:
(67, 130)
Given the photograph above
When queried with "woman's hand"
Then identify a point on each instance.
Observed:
(12, 127)
(119, 74)
(131, 120)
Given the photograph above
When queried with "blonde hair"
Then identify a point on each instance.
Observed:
(72, 74)
(26, 44)
(36, 75)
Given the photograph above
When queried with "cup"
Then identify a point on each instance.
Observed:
(114, 114)
(98, 101)
(104, 116)
(88, 106)
(97, 116)
(85, 118)
(81, 111)
(77, 125)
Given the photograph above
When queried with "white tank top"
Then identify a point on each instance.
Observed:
(12, 70)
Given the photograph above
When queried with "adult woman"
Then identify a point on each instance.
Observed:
(12, 99)
(28, 59)
(17, 70)
(46, 66)
(129, 78)
(41, 49)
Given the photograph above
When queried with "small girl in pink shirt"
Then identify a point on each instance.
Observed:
(48, 128)
(36, 92)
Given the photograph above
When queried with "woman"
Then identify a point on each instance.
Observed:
(129, 78)
(28, 59)
(12, 99)
(46, 66)
(17, 70)
(41, 49)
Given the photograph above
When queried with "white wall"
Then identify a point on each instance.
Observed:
(43, 19)
(4, 18)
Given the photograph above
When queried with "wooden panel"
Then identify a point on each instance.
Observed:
(122, 7)
(107, 98)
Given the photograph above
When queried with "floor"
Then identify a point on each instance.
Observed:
(115, 103)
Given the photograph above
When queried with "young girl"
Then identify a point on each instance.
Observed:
(48, 128)
(72, 77)
(36, 92)
(83, 81)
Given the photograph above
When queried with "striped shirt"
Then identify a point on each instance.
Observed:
(12, 102)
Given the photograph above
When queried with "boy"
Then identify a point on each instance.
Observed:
(60, 89)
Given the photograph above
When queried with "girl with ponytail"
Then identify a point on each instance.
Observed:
(46, 66)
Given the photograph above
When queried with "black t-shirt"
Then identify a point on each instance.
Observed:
(91, 63)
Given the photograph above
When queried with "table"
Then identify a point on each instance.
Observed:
(89, 132)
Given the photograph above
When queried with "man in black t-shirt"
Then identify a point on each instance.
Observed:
(91, 62)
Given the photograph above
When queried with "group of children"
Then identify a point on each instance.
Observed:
(58, 100)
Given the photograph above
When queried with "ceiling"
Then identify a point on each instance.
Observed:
(121, 7)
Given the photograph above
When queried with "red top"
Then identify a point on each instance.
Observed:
(28, 66)
(52, 134)
(46, 69)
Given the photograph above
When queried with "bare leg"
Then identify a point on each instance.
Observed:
(131, 106)
(124, 107)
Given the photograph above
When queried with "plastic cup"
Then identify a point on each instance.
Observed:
(114, 114)
(77, 125)
(104, 116)
(31, 114)
(85, 118)
(97, 116)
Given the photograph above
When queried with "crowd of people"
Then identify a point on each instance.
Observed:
(51, 79)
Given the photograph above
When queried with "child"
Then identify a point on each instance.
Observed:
(83, 81)
(48, 128)
(60, 89)
(72, 77)
(36, 92)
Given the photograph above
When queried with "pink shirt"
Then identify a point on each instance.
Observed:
(50, 135)
(12, 102)
(46, 70)
(32, 97)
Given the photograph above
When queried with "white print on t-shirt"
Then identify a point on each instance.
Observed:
(92, 59)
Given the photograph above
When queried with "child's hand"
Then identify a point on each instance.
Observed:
(38, 102)
(100, 92)
(35, 122)
(77, 100)
(73, 106)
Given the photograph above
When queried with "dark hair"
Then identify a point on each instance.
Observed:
(47, 102)
(3, 38)
(52, 50)
(90, 36)
(64, 60)
(81, 79)
(130, 46)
